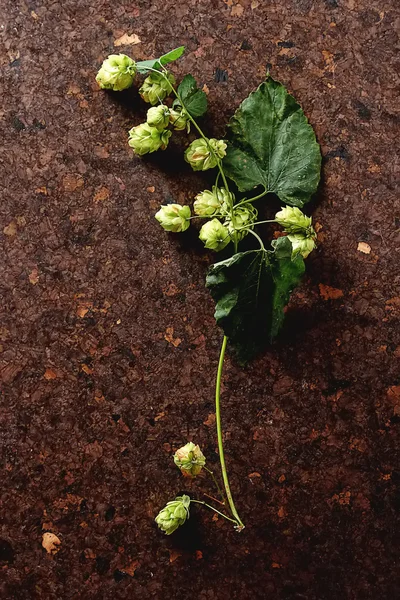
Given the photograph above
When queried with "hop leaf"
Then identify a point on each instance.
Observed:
(174, 217)
(173, 515)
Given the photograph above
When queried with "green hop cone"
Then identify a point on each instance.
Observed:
(189, 459)
(174, 217)
(244, 216)
(214, 235)
(156, 87)
(145, 139)
(179, 120)
(116, 73)
(226, 198)
(208, 203)
(302, 244)
(158, 117)
(294, 221)
(204, 154)
(173, 515)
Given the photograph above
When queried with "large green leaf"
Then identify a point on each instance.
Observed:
(272, 144)
(251, 290)
(195, 100)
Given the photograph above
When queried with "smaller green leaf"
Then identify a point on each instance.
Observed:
(195, 100)
(144, 66)
(172, 55)
(251, 290)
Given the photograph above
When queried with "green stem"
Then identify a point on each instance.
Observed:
(214, 509)
(247, 200)
(220, 492)
(237, 520)
(258, 237)
(256, 223)
(219, 435)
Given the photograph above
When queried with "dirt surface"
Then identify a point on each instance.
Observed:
(108, 343)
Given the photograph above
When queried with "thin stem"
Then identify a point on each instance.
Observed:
(219, 435)
(214, 509)
(258, 237)
(247, 200)
(257, 223)
(236, 520)
(220, 492)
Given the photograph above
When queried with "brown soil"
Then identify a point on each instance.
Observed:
(108, 343)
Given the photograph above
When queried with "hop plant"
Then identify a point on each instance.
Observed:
(204, 154)
(174, 217)
(156, 87)
(214, 235)
(243, 216)
(158, 117)
(116, 73)
(302, 244)
(294, 221)
(173, 515)
(189, 459)
(145, 139)
(179, 120)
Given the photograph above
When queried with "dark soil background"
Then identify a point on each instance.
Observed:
(108, 343)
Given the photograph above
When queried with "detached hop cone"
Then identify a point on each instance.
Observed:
(189, 459)
(173, 515)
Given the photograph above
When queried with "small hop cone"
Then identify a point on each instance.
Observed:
(173, 515)
(203, 154)
(144, 139)
(189, 459)
(244, 216)
(155, 87)
(226, 198)
(158, 117)
(116, 73)
(294, 221)
(300, 231)
(214, 235)
(301, 244)
(174, 217)
(179, 120)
